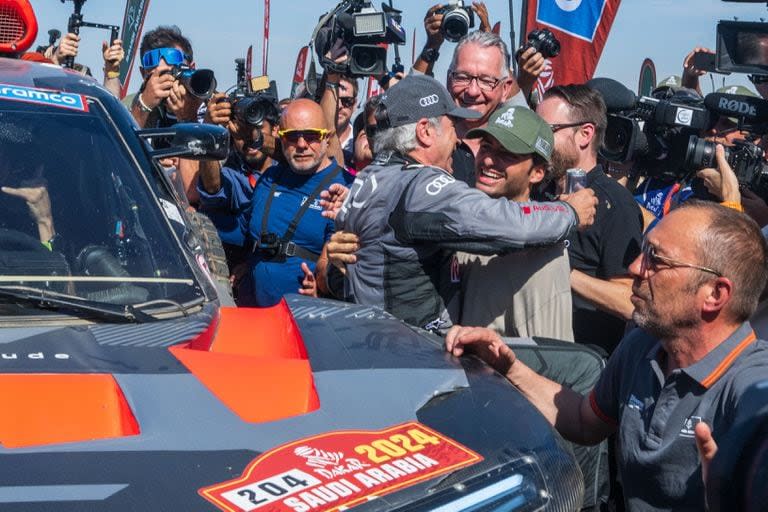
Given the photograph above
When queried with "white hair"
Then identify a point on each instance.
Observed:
(400, 139)
(483, 40)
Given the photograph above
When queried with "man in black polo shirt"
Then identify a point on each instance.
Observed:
(600, 254)
(676, 383)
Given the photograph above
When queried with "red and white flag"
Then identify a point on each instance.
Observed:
(581, 26)
(299, 70)
(265, 46)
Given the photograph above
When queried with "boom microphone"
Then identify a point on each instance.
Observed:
(752, 110)
(615, 95)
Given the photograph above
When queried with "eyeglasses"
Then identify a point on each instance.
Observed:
(652, 261)
(172, 57)
(486, 83)
(310, 135)
(348, 101)
(559, 126)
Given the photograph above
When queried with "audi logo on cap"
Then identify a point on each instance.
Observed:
(426, 101)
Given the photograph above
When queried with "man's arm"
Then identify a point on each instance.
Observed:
(432, 23)
(439, 209)
(569, 412)
(329, 102)
(113, 56)
(609, 295)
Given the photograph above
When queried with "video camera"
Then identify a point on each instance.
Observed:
(253, 100)
(76, 21)
(357, 29)
(457, 20)
(668, 143)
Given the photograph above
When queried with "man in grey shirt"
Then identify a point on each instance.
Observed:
(674, 385)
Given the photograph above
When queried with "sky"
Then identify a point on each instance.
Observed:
(222, 30)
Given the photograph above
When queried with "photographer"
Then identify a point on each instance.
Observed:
(113, 56)
(162, 100)
(226, 193)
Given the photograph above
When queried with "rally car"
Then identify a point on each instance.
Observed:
(124, 385)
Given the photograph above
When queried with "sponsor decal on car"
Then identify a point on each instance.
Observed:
(341, 469)
(43, 97)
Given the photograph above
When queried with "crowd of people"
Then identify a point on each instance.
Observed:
(445, 203)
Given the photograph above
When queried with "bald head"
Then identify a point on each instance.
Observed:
(305, 136)
(302, 114)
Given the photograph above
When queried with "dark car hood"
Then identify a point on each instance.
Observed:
(369, 371)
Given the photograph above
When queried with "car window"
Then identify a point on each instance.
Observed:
(65, 171)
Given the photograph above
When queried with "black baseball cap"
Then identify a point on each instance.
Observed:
(417, 97)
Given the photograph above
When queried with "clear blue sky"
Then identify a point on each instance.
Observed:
(220, 31)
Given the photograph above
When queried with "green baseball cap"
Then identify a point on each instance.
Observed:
(736, 89)
(670, 81)
(519, 130)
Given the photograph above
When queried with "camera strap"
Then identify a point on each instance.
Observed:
(287, 247)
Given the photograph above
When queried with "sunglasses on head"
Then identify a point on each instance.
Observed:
(310, 135)
(171, 56)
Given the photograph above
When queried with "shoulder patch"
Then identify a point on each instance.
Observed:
(437, 185)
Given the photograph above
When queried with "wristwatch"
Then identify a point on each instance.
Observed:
(429, 55)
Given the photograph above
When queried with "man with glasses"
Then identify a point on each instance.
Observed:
(674, 384)
(286, 228)
(600, 254)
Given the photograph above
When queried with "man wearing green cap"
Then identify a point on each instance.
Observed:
(521, 293)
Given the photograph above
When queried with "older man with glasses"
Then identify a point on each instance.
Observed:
(674, 384)
(600, 254)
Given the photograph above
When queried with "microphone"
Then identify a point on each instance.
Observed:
(750, 109)
(615, 95)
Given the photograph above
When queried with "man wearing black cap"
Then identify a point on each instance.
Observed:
(411, 214)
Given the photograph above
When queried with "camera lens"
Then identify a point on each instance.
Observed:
(455, 25)
(250, 111)
(201, 83)
(701, 154)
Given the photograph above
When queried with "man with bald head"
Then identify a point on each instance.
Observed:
(286, 229)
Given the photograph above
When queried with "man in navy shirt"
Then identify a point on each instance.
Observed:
(285, 227)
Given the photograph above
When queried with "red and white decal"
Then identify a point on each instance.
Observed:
(337, 470)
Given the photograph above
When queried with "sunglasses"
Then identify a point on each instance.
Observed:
(655, 263)
(171, 56)
(310, 135)
(348, 101)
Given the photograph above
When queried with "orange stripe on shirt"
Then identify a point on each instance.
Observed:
(599, 412)
(728, 361)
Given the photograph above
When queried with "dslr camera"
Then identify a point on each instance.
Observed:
(544, 41)
(744, 157)
(357, 29)
(457, 20)
(253, 100)
(201, 83)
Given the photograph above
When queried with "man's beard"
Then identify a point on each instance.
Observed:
(561, 162)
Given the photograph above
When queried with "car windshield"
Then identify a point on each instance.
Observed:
(76, 215)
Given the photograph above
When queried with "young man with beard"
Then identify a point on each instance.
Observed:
(674, 384)
(525, 293)
(600, 254)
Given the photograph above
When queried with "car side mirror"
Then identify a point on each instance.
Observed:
(194, 141)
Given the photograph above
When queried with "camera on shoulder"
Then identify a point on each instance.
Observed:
(357, 29)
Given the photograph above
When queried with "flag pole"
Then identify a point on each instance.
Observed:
(512, 45)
